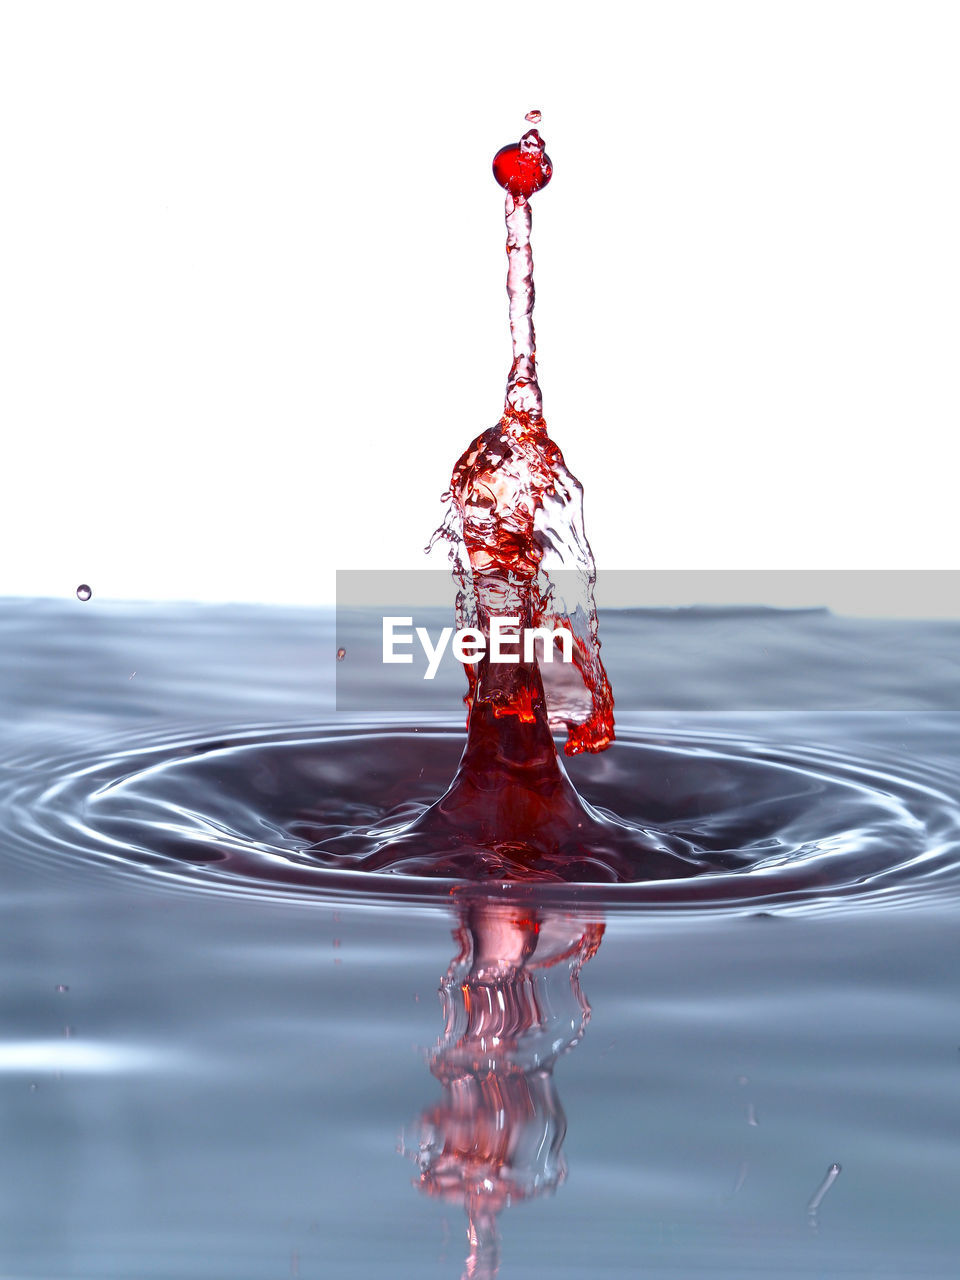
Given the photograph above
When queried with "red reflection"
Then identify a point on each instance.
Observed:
(512, 1005)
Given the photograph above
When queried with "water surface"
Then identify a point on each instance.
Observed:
(206, 1078)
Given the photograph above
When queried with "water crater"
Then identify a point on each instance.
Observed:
(333, 810)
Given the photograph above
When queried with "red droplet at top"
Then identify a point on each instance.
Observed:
(523, 167)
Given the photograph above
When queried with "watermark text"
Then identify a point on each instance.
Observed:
(508, 642)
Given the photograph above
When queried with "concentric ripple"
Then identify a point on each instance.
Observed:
(260, 810)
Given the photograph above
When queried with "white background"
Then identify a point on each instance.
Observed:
(252, 297)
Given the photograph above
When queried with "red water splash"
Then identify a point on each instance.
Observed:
(516, 515)
(515, 524)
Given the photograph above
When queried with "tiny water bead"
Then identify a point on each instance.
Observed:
(341, 654)
(533, 117)
(83, 592)
(523, 167)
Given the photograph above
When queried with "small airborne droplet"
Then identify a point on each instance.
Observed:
(61, 987)
(533, 117)
(341, 654)
(83, 592)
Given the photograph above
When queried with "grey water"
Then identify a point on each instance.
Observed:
(215, 1060)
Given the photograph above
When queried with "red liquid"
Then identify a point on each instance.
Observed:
(516, 511)
(522, 167)
(515, 518)
(496, 1137)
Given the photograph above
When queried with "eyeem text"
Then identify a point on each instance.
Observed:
(508, 643)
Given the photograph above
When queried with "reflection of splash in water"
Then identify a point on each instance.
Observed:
(512, 1004)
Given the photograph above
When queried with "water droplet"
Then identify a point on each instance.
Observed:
(533, 117)
(531, 144)
(341, 654)
(831, 1176)
(61, 987)
(523, 167)
(83, 592)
